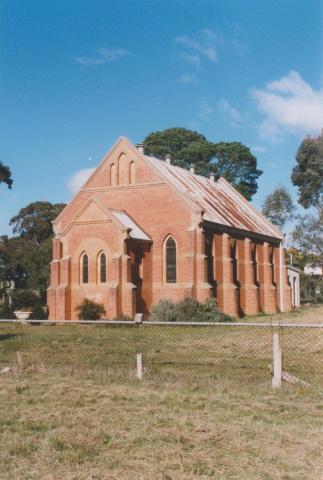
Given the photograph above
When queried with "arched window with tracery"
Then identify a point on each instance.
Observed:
(102, 268)
(170, 260)
(85, 268)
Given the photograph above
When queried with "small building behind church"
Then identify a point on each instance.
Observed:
(141, 230)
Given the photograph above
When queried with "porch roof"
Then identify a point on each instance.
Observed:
(134, 230)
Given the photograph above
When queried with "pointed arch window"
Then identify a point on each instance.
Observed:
(272, 264)
(113, 175)
(103, 268)
(171, 254)
(85, 268)
(132, 172)
(254, 262)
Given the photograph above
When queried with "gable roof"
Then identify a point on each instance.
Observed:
(100, 213)
(221, 203)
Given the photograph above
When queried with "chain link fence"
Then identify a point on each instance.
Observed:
(180, 352)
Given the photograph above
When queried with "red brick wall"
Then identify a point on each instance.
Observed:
(86, 226)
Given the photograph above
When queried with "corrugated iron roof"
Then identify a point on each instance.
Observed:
(222, 204)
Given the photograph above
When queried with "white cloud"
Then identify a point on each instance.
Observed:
(205, 109)
(231, 112)
(259, 149)
(105, 55)
(187, 78)
(202, 48)
(190, 58)
(289, 105)
(78, 179)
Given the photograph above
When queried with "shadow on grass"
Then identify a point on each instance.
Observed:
(7, 336)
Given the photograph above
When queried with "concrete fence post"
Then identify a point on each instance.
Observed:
(277, 358)
(139, 366)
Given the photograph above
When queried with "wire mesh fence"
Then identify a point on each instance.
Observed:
(240, 352)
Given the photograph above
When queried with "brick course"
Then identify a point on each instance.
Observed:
(135, 267)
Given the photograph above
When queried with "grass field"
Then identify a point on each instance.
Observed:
(58, 428)
(71, 407)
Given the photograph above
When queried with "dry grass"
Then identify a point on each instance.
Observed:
(58, 428)
(306, 314)
(72, 409)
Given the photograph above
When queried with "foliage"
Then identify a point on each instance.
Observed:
(278, 207)
(38, 312)
(5, 311)
(307, 175)
(90, 310)
(311, 289)
(235, 163)
(232, 160)
(23, 299)
(34, 222)
(308, 234)
(188, 310)
(298, 259)
(26, 258)
(5, 175)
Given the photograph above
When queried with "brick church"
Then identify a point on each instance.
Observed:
(141, 230)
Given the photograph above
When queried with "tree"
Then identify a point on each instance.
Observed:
(278, 207)
(26, 258)
(233, 161)
(308, 235)
(5, 175)
(307, 175)
(34, 222)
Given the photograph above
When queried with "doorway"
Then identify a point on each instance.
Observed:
(139, 253)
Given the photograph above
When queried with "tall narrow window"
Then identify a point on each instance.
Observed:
(132, 172)
(254, 264)
(85, 268)
(113, 175)
(234, 261)
(170, 260)
(103, 268)
(272, 264)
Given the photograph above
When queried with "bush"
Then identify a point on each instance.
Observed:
(163, 311)
(188, 310)
(38, 313)
(24, 299)
(5, 312)
(311, 289)
(89, 310)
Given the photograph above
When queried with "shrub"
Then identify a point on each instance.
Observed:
(163, 311)
(5, 312)
(90, 310)
(311, 289)
(38, 313)
(24, 299)
(188, 310)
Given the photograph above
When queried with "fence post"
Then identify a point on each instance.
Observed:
(139, 365)
(277, 358)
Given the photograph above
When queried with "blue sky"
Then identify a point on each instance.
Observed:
(76, 75)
